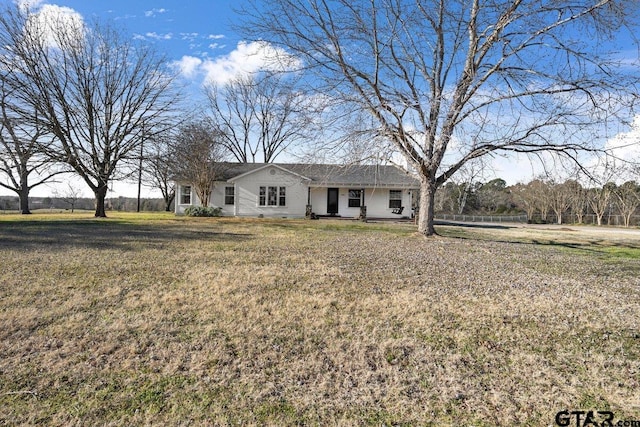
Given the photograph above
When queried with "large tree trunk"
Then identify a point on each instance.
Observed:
(167, 203)
(23, 194)
(426, 211)
(100, 193)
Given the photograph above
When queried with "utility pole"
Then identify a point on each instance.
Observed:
(140, 168)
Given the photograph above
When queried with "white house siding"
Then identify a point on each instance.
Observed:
(248, 192)
(216, 198)
(377, 202)
(375, 199)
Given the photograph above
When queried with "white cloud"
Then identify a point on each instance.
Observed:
(156, 36)
(188, 36)
(188, 65)
(624, 152)
(247, 58)
(153, 12)
(127, 16)
(50, 19)
(626, 145)
(215, 36)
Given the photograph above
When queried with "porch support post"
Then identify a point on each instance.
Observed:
(236, 199)
(308, 214)
(363, 207)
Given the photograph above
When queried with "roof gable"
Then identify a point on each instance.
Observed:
(262, 166)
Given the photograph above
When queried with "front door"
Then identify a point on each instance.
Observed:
(332, 201)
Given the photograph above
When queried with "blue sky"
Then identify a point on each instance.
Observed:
(196, 36)
(195, 28)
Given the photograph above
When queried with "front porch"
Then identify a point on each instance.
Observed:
(360, 203)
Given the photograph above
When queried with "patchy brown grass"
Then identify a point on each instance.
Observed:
(172, 321)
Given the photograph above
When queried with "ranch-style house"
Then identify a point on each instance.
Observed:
(311, 190)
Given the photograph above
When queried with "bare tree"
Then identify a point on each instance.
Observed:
(69, 195)
(449, 81)
(600, 200)
(156, 170)
(560, 198)
(21, 155)
(93, 88)
(535, 197)
(627, 200)
(465, 178)
(577, 199)
(445, 199)
(602, 184)
(261, 115)
(197, 156)
(524, 197)
(543, 197)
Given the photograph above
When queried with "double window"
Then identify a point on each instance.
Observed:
(229, 195)
(272, 196)
(355, 198)
(185, 195)
(395, 199)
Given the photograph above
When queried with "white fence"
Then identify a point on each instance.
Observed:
(612, 220)
(591, 219)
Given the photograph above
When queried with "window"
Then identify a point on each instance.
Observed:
(272, 196)
(185, 195)
(272, 199)
(355, 197)
(229, 195)
(395, 199)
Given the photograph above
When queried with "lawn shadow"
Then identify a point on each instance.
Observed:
(475, 225)
(608, 247)
(103, 234)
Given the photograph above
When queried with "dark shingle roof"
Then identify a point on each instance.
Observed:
(335, 175)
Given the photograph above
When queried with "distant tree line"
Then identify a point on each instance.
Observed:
(545, 200)
(119, 204)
